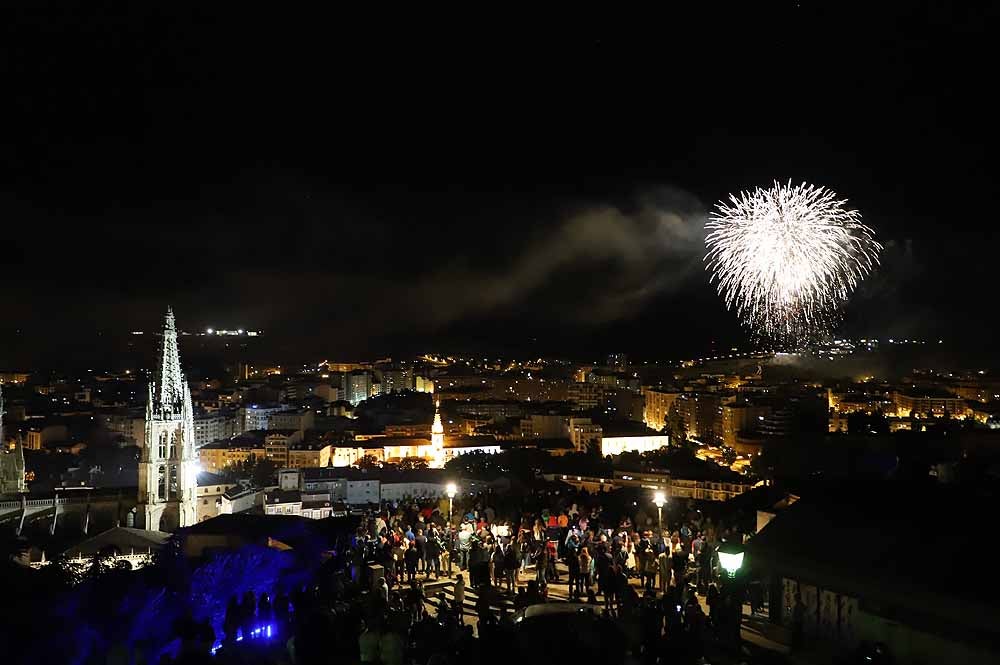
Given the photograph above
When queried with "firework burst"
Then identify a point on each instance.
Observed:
(787, 258)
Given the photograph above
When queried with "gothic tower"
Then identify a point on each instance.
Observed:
(168, 469)
(11, 461)
(437, 438)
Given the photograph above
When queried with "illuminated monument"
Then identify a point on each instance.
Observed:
(11, 461)
(168, 469)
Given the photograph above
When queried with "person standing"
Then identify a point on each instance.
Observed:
(664, 563)
(420, 541)
(586, 571)
(509, 564)
(411, 558)
(573, 568)
(541, 564)
(459, 594)
(433, 554)
(679, 565)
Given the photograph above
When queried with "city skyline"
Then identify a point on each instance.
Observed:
(426, 336)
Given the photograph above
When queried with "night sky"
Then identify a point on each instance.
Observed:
(357, 187)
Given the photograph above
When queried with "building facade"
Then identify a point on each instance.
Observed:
(129, 424)
(359, 386)
(616, 445)
(213, 426)
(258, 416)
(586, 395)
(656, 408)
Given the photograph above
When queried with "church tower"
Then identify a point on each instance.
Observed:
(11, 461)
(168, 468)
(437, 438)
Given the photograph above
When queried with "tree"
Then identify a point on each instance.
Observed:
(412, 464)
(675, 427)
(728, 455)
(264, 473)
(368, 462)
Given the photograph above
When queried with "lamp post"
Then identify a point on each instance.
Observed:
(730, 558)
(731, 561)
(451, 490)
(659, 500)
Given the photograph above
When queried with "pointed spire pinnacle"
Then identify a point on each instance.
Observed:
(437, 427)
(168, 379)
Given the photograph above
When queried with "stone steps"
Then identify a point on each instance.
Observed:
(558, 593)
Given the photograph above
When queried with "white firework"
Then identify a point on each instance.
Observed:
(787, 258)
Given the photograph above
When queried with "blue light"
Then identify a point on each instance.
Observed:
(269, 631)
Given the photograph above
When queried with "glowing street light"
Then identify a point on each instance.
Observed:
(451, 490)
(730, 557)
(659, 500)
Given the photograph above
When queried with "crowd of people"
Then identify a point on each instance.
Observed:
(642, 582)
(599, 555)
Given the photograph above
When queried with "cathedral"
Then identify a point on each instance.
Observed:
(168, 468)
(11, 461)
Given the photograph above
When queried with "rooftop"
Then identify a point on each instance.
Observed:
(896, 522)
(122, 540)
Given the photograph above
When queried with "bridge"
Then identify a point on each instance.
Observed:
(79, 511)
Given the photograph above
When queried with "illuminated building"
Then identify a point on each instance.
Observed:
(584, 435)
(699, 411)
(213, 426)
(463, 445)
(359, 386)
(616, 445)
(929, 403)
(422, 384)
(168, 467)
(409, 429)
(606, 378)
(257, 416)
(724, 488)
(617, 362)
(341, 456)
(240, 499)
(297, 420)
(309, 454)
(280, 502)
(211, 488)
(657, 407)
(586, 396)
(741, 418)
(397, 380)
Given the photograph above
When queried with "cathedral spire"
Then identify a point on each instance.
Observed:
(168, 380)
(168, 467)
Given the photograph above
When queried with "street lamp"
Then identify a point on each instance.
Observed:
(451, 490)
(659, 499)
(730, 558)
(731, 594)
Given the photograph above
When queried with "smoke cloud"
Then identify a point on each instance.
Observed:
(603, 262)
